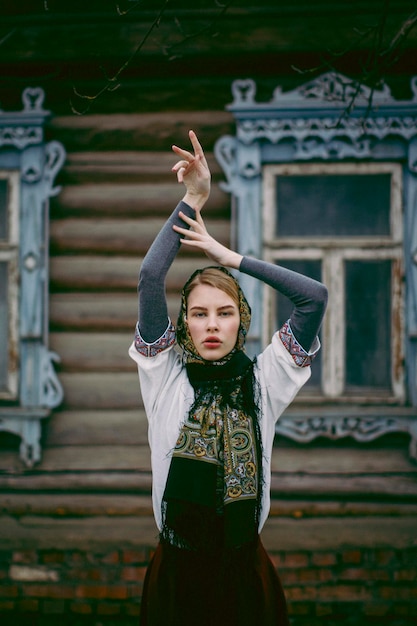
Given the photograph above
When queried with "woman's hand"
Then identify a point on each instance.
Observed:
(193, 171)
(198, 237)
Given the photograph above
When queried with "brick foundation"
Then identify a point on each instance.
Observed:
(73, 587)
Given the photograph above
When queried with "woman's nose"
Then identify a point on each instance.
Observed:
(212, 322)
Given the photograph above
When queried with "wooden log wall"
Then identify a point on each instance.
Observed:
(117, 189)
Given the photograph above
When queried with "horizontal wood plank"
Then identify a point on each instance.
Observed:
(99, 311)
(93, 311)
(139, 505)
(104, 273)
(97, 428)
(116, 236)
(93, 352)
(145, 132)
(101, 390)
(124, 166)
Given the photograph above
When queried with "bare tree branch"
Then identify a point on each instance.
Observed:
(111, 82)
(378, 61)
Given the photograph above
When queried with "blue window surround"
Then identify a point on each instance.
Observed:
(309, 124)
(23, 149)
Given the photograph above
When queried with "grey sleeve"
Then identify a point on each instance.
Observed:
(308, 296)
(153, 311)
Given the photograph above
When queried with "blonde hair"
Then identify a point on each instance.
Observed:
(215, 278)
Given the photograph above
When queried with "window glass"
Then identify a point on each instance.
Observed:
(3, 209)
(4, 363)
(349, 205)
(285, 307)
(368, 324)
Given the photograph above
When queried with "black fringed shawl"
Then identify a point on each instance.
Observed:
(213, 492)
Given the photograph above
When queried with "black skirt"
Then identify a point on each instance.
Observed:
(239, 588)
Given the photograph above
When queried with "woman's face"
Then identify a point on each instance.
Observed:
(213, 321)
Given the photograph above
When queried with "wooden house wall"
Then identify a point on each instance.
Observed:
(117, 189)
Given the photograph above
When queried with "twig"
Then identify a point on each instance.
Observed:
(110, 82)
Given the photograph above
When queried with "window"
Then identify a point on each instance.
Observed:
(341, 223)
(9, 238)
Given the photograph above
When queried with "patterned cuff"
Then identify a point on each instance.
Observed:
(161, 344)
(300, 356)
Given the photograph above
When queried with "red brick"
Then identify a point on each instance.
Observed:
(134, 556)
(323, 609)
(325, 575)
(133, 573)
(134, 590)
(376, 609)
(82, 608)
(406, 574)
(106, 608)
(405, 609)
(9, 591)
(384, 557)
(52, 556)
(101, 592)
(117, 592)
(301, 593)
(352, 556)
(48, 591)
(77, 574)
(277, 559)
(53, 607)
(132, 609)
(308, 575)
(28, 605)
(354, 573)
(324, 558)
(344, 593)
(96, 592)
(25, 556)
(296, 559)
(111, 558)
(398, 592)
(299, 608)
(76, 557)
(6, 606)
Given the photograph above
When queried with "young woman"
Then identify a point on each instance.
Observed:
(212, 414)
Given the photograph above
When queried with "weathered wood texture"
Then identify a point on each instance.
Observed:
(93, 483)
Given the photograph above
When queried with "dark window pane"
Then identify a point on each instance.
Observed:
(368, 324)
(338, 204)
(285, 306)
(3, 209)
(4, 363)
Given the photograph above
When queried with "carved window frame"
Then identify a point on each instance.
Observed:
(326, 120)
(32, 163)
(9, 255)
(332, 258)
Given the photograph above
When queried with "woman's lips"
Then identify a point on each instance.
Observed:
(212, 342)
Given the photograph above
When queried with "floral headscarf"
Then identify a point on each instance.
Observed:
(183, 335)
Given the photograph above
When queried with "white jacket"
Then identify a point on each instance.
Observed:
(167, 396)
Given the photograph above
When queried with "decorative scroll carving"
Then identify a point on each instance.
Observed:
(313, 117)
(363, 429)
(39, 163)
(51, 389)
(330, 118)
(32, 98)
(20, 137)
(25, 128)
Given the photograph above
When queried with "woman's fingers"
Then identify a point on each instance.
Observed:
(197, 224)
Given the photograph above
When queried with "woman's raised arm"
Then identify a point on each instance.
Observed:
(192, 170)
